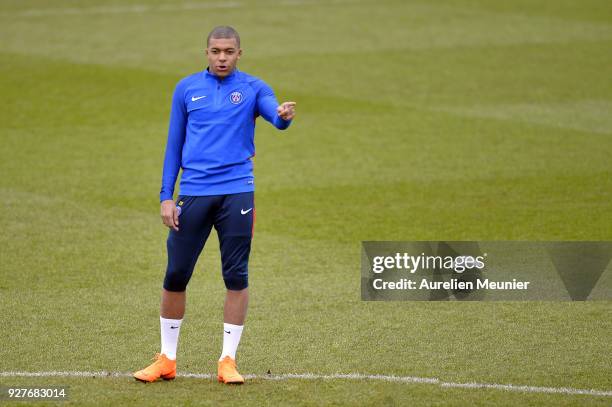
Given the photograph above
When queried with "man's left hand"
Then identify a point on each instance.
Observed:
(286, 110)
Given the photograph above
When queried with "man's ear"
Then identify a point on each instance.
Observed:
(205, 51)
(239, 53)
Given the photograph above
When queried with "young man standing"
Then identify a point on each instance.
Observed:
(211, 137)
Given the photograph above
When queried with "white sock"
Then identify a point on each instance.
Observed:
(169, 336)
(231, 339)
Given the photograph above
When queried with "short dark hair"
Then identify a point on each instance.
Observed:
(223, 31)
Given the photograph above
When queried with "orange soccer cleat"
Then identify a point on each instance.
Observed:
(162, 367)
(227, 372)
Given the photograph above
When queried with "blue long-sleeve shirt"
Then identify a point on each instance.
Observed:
(211, 133)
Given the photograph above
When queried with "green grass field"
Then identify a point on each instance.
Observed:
(447, 120)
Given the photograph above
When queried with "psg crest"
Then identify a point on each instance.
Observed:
(236, 97)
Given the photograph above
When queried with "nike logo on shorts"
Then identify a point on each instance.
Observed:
(243, 212)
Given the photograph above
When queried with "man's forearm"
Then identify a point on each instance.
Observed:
(172, 165)
(280, 123)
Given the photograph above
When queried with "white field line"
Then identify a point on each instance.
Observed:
(144, 8)
(338, 376)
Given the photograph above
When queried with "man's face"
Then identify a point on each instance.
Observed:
(222, 54)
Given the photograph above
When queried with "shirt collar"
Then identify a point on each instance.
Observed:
(209, 74)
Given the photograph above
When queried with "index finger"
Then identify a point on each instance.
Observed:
(175, 215)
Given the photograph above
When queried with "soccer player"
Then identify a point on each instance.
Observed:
(210, 137)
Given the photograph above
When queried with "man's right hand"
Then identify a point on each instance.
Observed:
(169, 214)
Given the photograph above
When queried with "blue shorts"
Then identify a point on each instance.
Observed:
(233, 217)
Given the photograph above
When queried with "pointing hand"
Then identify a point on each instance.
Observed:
(286, 110)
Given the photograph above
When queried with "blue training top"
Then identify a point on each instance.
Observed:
(212, 130)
